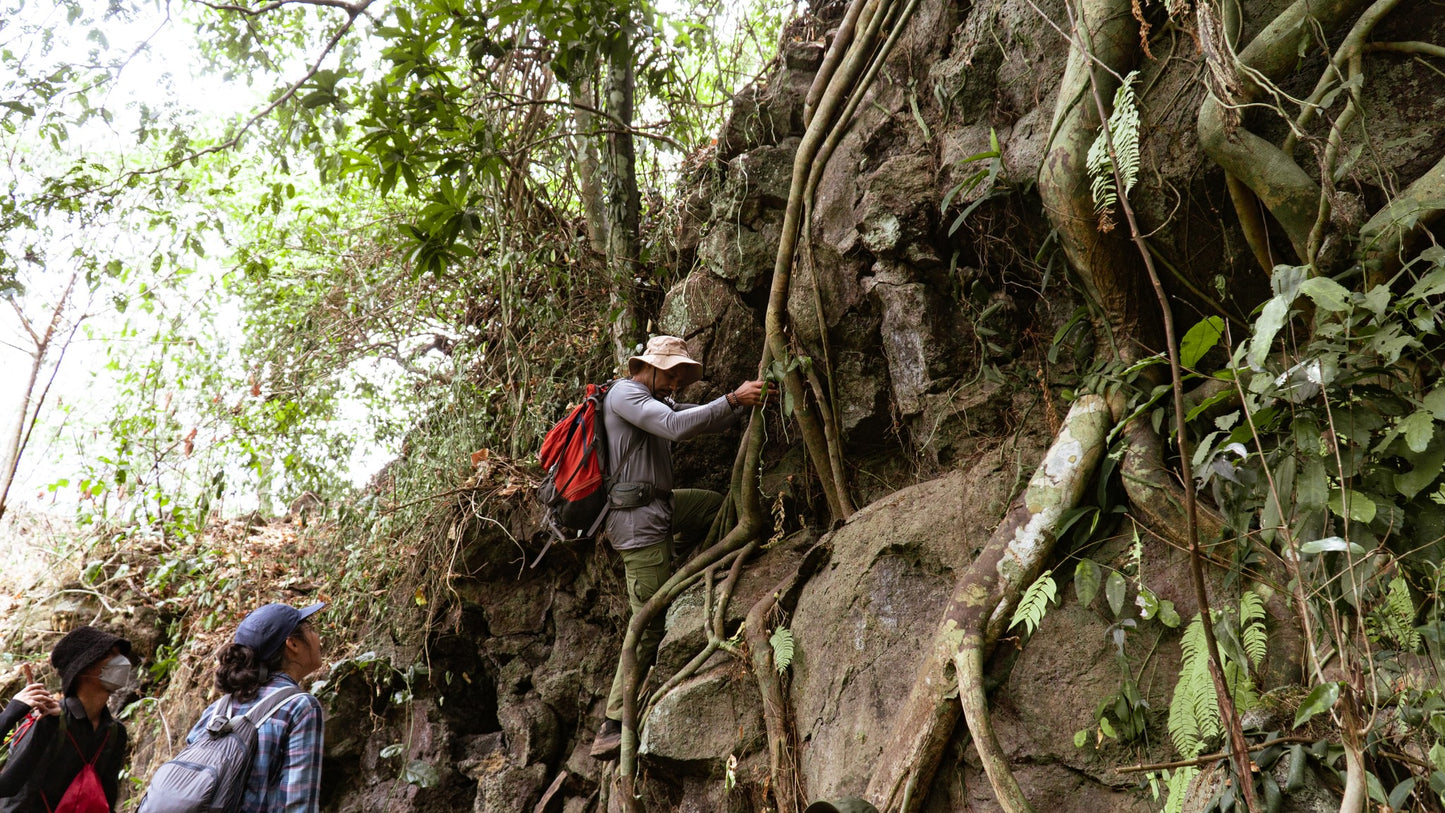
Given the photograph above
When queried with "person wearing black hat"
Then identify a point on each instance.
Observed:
(76, 731)
(274, 648)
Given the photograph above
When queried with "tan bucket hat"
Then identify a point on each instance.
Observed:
(665, 353)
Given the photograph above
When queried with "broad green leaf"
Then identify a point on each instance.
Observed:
(1312, 488)
(1204, 405)
(1435, 403)
(1391, 342)
(1327, 294)
(1377, 299)
(1200, 340)
(1273, 798)
(422, 774)
(1270, 320)
(1168, 616)
(1375, 789)
(1086, 581)
(1147, 602)
(392, 750)
(1285, 281)
(1114, 589)
(1418, 428)
(1321, 698)
(1432, 284)
(1426, 469)
(1330, 544)
(1081, 737)
(1401, 794)
(1360, 507)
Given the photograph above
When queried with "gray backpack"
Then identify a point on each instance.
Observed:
(210, 774)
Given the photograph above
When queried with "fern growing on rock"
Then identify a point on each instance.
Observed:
(1124, 132)
(782, 643)
(1035, 602)
(1194, 718)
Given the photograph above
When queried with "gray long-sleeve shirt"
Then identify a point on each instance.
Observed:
(646, 426)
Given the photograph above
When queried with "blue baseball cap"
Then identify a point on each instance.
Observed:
(267, 628)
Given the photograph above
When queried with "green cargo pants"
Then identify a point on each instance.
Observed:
(647, 569)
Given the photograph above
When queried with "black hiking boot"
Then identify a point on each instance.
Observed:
(609, 741)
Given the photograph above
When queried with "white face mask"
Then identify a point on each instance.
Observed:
(115, 674)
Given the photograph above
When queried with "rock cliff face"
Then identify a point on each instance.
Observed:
(936, 339)
(940, 333)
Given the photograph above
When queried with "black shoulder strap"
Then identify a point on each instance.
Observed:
(637, 441)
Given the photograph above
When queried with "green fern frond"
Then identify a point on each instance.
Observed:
(1241, 686)
(1178, 787)
(1194, 717)
(1035, 603)
(782, 643)
(1192, 712)
(1124, 132)
(1252, 631)
(1393, 621)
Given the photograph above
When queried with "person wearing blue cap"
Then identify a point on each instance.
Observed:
(274, 648)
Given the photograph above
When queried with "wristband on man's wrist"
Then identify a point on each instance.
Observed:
(732, 399)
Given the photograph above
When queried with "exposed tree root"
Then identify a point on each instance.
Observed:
(1256, 233)
(1352, 738)
(713, 625)
(1105, 262)
(744, 493)
(788, 788)
(1288, 192)
(1155, 495)
(837, 87)
(983, 599)
(818, 163)
(1388, 237)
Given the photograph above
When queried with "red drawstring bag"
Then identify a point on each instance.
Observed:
(85, 794)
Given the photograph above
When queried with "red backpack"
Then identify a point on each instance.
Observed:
(85, 794)
(574, 453)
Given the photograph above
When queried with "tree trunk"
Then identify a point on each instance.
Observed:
(25, 420)
(623, 202)
(589, 165)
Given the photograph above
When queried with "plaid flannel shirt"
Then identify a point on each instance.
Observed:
(286, 776)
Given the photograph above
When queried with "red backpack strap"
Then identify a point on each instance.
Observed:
(95, 757)
(25, 725)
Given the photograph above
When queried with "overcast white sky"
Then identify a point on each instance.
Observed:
(169, 67)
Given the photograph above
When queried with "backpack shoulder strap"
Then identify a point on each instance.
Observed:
(609, 471)
(98, 750)
(266, 709)
(635, 437)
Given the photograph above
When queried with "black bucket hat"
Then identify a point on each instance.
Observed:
(80, 649)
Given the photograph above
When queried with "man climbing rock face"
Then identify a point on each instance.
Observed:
(642, 421)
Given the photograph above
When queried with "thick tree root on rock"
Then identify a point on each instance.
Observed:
(1386, 238)
(982, 601)
(1154, 494)
(788, 788)
(744, 494)
(1286, 190)
(1104, 261)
